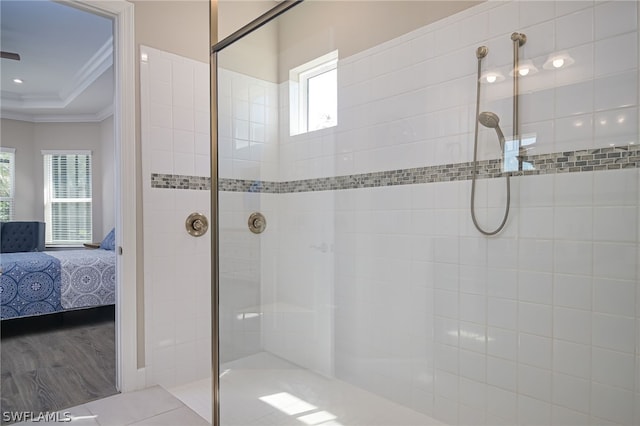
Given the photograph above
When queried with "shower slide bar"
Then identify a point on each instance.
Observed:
(491, 120)
(519, 39)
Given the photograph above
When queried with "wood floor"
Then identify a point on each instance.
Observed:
(57, 361)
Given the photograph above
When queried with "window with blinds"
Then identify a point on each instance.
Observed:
(67, 198)
(7, 183)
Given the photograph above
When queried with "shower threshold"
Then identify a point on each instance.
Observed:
(263, 389)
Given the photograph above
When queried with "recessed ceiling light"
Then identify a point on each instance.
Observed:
(18, 81)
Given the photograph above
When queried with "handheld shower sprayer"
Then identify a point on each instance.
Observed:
(492, 121)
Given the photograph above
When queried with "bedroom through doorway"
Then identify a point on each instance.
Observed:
(59, 203)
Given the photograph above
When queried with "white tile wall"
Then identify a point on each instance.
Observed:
(248, 127)
(240, 282)
(176, 265)
(538, 325)
(543, 338)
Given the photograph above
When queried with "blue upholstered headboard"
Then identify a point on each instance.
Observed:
(21, 236)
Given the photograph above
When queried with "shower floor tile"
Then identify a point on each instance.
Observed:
(153, 406)
(265, 390)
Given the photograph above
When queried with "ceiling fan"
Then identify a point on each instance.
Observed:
(9, 55)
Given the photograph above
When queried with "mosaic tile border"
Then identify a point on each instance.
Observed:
(611, 158)
(169, 181)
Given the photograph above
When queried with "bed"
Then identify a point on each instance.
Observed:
(36, 283)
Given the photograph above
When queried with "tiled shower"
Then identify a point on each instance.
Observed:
(370, 271)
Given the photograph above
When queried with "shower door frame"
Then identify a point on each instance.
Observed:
(263, 19)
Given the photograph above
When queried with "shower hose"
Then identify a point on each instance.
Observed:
(481, 53)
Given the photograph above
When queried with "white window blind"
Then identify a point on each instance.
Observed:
(7, 183)
(67, 197)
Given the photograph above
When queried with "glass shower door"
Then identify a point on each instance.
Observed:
(354, 288)
(276, 261)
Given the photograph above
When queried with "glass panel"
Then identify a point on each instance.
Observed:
(371, 298)
(323, 100)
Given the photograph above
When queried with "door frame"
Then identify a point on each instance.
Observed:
(128, 376)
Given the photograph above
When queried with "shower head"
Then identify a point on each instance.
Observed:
(491, 120)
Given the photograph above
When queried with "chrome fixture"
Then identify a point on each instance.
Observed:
(492, 121)
(519, 39)
(482, 51)
(196, 224)
(257, 223)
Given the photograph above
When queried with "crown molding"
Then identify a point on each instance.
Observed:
(105, 113)
(100, 62)
(16, 116)
(59, 118)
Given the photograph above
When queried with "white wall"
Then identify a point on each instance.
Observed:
(189, 20)
(20, 135)
(262, 63)
(233, 15)
(30, 139)
(107, 154)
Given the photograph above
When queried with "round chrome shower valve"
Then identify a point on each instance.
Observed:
(257, 223)
(196, 224)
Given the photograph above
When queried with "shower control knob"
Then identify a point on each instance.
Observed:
(257, 223)
(196, 224)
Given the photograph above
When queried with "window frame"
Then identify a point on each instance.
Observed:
(299, 91)
(49, 200)
(12, 197)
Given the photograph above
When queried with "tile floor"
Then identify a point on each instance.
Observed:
(260, 390)
(150, 407)
(266, 390)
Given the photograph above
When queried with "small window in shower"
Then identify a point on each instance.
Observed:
(512, 151)
(313, 94)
